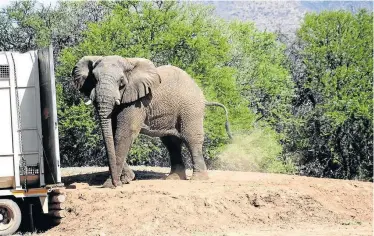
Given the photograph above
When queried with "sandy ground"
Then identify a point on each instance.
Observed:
(230, 203)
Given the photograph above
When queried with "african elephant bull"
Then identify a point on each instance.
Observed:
(132, 96)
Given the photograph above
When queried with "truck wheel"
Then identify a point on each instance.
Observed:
(10, 217)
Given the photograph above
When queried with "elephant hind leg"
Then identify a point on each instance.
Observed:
(193, 137)
(192, 131)
(174, 146)
(199, 167)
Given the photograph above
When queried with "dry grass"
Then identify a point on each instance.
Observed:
(257, 151)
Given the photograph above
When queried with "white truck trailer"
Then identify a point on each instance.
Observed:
(29, 150)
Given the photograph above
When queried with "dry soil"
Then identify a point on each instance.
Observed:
(230, 203)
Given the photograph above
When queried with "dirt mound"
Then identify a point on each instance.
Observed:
(230, 203)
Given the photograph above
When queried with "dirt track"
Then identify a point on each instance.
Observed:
(231, 203)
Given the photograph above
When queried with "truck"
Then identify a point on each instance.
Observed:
(30, 174)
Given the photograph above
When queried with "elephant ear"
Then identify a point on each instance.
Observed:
(142, 78)
(83, 79)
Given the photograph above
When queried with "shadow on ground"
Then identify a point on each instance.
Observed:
(98, 178)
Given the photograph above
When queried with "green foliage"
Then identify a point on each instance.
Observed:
(147, 150)
(29, 29)
(334, 106)
(29, 25)
(263, 78)
(339, 71)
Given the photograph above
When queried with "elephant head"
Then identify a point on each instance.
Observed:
(110, 81)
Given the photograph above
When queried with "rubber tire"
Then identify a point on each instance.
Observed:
(14, 208)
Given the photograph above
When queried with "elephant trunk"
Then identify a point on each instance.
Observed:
(104, 111)
(106, 96)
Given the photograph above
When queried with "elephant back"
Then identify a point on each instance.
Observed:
(177, 94)
(178, 80)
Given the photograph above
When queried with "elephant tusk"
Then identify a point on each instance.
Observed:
(118, 102)
(88, 102)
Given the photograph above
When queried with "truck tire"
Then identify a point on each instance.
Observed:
(10, 217)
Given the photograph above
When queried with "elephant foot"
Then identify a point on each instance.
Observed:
(177, 175)
(109, 183)
(200, 175)
(127, 176)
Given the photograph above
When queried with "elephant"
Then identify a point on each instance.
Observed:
(132, 96)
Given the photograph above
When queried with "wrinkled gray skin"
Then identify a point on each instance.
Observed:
(132, 96)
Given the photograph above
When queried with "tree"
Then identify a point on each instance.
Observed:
(333, 108)
(18, 26)
(29, 25)
(262, 74)
(263, 80)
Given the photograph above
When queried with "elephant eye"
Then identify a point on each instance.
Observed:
(121, 82)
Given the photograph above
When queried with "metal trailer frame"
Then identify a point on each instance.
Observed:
(18, 164)
(41, 193)
(39, 130)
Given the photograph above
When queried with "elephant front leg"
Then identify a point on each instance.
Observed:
(126, 133)
(125, 140)
(127, 174)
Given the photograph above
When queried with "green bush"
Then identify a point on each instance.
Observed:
(333, 110)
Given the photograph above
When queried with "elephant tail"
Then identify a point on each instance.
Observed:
(227, 124)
